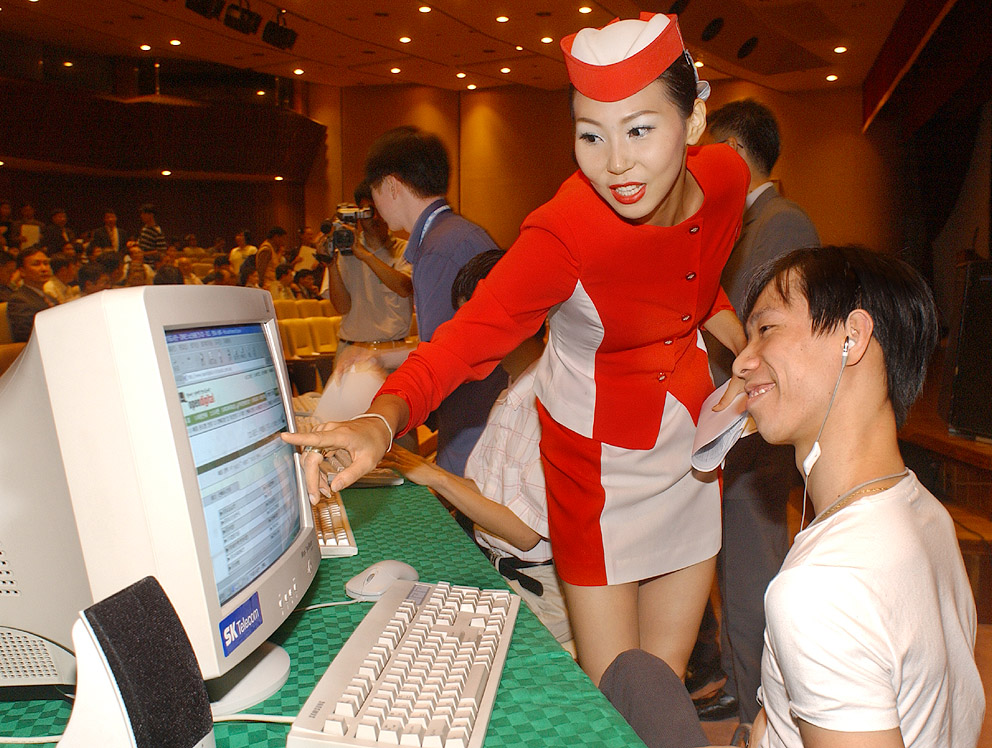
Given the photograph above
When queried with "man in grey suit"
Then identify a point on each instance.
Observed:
(757, 476)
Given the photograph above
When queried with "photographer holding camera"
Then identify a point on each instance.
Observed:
(368, 280)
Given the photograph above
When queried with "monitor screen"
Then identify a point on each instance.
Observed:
(233, 413)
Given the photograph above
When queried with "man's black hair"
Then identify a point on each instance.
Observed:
(471, 273)
(149, 208)
(90, 273)
(417, 158)
(24, 254)
(282, 270)
(755, 128)
(110, 261)
(273, 232)
(60, 261)
(837, 280)
(168, 275)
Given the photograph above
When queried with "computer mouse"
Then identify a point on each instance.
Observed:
(375, 580)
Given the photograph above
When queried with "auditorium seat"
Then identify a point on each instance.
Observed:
(5, 336)
(285, 308)
(324, 333)
(309, 308)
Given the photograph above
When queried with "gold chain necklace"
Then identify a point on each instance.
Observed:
(855, 493)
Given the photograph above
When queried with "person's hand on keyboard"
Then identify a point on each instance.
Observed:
(365, 439)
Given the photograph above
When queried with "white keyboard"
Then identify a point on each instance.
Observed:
(421, 669)
(334, 534)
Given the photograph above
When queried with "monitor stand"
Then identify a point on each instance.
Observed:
(252, 681)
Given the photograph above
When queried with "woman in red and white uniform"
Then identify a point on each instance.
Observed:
(625, 262)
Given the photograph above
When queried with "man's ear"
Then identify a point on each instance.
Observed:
(858, 327)
(696, 123)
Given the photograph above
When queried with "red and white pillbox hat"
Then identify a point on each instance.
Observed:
(618, 60)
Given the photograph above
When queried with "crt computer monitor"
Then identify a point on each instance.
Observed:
(139, 435)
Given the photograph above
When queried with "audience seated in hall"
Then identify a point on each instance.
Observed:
(61, 285)
(280, 287)
(29, 299)
(8, 268)
(92, 277)
(185, 266)
(55, 235)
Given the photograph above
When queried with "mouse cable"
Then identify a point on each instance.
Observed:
(276, 718)
(326, 605)
(24, 741)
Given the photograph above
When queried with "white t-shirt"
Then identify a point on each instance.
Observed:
(870, 625)
(377, 313)
(506, 466)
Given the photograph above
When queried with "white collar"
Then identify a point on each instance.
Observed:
(755, 194)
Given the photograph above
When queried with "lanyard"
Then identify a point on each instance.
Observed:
(430, 220)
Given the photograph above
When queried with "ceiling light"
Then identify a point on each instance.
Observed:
(405, 40)
(501, 19)
(260, 93)
(519, 48)
(459, 75)
(166, 172)
(585, 9)
(67, 64)
(831, 77)
(546, 40)
(424, 9)
(145, 47)
(175, 42)
(394, 71)
(840, 50)
(206, 8)
(298, 71)
(698, 63)
(278, 179)
(504, 70)
(278, 34)
(242, 18)
(471, 87)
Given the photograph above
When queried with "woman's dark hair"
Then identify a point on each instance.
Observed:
(837, 280)
(680, 86)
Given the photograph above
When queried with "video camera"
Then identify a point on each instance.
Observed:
(342, 237)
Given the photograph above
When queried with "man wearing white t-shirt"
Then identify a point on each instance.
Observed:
(870, 623)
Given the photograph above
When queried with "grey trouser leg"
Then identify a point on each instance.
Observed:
(757, 478)
(653, 700)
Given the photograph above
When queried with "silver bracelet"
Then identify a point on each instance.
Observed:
(382, 418)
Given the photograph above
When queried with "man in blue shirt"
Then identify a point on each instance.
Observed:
(409, 172)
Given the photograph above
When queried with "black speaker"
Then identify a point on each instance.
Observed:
(206, 8)
(278, 35)
(138, 683)
(965, 396)
(242, 18)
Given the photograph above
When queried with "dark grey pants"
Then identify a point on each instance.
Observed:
(653, 700)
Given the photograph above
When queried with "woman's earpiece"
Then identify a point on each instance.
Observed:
(847, 349)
